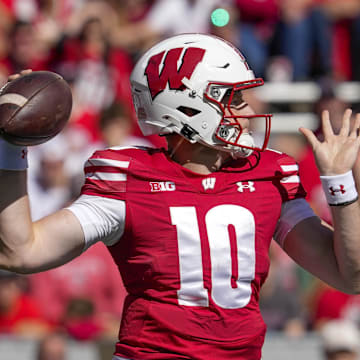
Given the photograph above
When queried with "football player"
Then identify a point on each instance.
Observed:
(190, 226)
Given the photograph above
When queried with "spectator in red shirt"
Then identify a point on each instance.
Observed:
(25, 51)
(99, 73)
(345, 17)
(97, 283)
(19, 313)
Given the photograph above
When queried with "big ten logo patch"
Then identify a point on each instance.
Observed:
(156, 186)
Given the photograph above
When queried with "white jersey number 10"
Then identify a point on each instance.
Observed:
(231, 288)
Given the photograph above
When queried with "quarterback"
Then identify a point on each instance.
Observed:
(190, 226)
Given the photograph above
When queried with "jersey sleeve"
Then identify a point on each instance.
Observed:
(101, 219)
(101, 206)
(106, 175)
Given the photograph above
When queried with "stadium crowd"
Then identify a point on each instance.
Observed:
(93, 44)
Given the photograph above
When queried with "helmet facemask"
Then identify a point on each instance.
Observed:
(235, 138)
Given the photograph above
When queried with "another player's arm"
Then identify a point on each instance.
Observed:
(332, 255)
(27, 247)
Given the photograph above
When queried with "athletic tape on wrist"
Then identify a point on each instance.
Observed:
(339, 189)
(12, 157)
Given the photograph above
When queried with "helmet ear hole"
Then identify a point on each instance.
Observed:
(188, 111)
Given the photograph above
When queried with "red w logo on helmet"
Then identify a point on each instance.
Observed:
(170, 73)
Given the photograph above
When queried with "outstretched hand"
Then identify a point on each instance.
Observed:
(337, 153)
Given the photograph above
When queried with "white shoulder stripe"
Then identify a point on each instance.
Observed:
(106, 176)
(290, 179)
(122, 147)
(293, 167)
(107, 162)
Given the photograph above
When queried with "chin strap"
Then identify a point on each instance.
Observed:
(176, 147)
(189, 133)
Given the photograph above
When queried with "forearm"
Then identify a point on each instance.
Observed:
(342, 195)
(347, 234)
(346, 242)
(16, 232)
(27, 247)
(346, 221)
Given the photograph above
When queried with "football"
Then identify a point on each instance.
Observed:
(34, 108)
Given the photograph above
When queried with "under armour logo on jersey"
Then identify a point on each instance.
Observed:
(208, 183)
(248, 185)
(341, 189)
(162, 186)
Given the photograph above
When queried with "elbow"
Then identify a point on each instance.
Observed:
(21, 266)
(355, 290)
(15, 262)
(15, 266)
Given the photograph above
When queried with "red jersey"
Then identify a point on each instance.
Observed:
(194, 252)
(24, 313)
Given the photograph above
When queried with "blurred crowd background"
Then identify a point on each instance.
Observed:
(304, 49)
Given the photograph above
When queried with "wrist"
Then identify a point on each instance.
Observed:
(12, 157)
(339, 189)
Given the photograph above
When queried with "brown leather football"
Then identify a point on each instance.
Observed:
(34, 108)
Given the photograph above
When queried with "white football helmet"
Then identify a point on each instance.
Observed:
(180, 86)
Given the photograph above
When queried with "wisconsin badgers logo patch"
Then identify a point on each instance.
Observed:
(170, 73)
